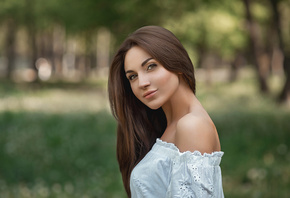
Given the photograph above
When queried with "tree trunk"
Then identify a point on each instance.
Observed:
(285, 93)
(31, 33)
(87, 55)
(32, 43)
(10, 47)
(58, 50)
(235, 66)
(261, 65)
(284, 96)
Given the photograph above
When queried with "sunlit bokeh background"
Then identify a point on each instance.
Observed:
(57, 135)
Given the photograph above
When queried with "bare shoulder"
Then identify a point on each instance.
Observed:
(196, 133)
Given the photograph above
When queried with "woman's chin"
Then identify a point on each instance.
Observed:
(153, 106)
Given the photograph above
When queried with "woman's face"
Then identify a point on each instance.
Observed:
(151, 83)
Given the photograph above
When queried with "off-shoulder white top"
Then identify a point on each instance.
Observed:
(166, 172)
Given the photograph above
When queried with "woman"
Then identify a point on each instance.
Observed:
(167, 145)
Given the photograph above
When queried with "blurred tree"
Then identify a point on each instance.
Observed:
(87, 17)
(11, 14)
(130, 15)
(285, 93)
(256, 48)
(70, 30)
(212, 33)
(10, 46)
(30, 16)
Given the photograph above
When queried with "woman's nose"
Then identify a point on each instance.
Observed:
(143, 81)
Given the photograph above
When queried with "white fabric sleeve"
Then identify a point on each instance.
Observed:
(196, 176)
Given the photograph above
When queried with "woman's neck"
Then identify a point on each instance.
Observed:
(179, 104)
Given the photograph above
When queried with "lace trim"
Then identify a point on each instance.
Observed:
(185, 189)
(195, 153)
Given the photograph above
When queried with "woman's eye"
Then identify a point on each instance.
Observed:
(150, 67)
(132, 77)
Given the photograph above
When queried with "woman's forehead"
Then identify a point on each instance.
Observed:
(135, 57)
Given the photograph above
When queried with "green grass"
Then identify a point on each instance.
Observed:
(58, 140)
(49, 155)
(256, 160)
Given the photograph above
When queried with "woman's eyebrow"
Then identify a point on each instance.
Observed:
(129, 71)
(144, 62)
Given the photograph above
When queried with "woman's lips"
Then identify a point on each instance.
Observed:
(149, 94)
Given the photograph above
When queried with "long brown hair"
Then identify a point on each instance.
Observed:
(138, 125)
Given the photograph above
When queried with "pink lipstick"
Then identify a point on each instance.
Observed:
(149, 94)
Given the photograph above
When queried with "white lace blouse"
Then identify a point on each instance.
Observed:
(166, 172)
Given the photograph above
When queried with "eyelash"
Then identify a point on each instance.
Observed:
(149, 68)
